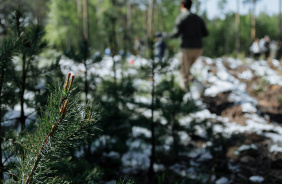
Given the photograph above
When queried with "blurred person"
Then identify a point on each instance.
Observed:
(160, 46)
(138, 46)
(274, 47)
(191, 29)
(264, 45)
(255, 49)
(267, 47)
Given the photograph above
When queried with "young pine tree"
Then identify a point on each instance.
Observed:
(61, 125)
(30, 46)
(7, 97)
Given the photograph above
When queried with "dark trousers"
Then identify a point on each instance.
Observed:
(256, 56)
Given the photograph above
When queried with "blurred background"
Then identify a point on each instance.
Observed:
(150, 130)
(237, 22)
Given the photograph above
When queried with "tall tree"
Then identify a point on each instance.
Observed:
(150, 18)
(238, 27)
(280, 21)
(79, 16)
(129, 23)
(222, 4)
(85, 20)
(253, 24)
(31, 45)
(38, 11)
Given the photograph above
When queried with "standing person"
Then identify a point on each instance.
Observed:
(267, 47)
(255, 49)
(191, 28)
(160, 46)
(274, 47)
(138, 46)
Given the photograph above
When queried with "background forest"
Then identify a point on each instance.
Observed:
(85, 100)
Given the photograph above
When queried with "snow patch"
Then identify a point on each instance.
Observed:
(256, 179)
(222, 180)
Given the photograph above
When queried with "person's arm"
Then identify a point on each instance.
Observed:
(176, 32)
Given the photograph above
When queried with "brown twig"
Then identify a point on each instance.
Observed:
(38, 158)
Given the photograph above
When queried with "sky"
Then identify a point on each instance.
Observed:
(269, 6)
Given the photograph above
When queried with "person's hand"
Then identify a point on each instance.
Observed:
(160, 34)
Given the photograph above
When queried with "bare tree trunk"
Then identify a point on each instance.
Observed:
(253, 30)
(22, 117)
(279, 19)
(85, 81)
(150, 19)
(145, 17)
(129, 24)
(1, 134)
(38, 11)
(238, 27)
(79, 15)
(161, 19)
(153, 141)
(85, 20)
(85, 41)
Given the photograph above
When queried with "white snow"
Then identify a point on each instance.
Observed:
(112, 154)
(184, 138)
(137, 131)
(275, 149)
(277, 138)
(256, 179)
(136, 159)
(246, 147)
(222, 180)
(205, 156)
(248, 107)
(248, 75)
(39, 86)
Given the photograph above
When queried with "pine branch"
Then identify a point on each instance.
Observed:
(63, 111)
(78, 130)
(50, 139)
(38, 158)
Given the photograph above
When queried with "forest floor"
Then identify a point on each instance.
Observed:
(244, 95)
(248, 93)
(242, 104)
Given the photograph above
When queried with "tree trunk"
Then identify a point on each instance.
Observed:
(1, 135)
(253, 30)
(150, 19)
(238, 28)
(114, 48)
(129, 24)
(174, 135)
(79, 16)
(85, 20)
(38, 11)
(23, 85)
(279, 19)
(153, 141)
(85, 81)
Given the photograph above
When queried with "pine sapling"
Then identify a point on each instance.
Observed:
(62, 125)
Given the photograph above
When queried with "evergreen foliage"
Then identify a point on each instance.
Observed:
(62, 125)
(137, 121)
(29, 46)
(7, 95)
